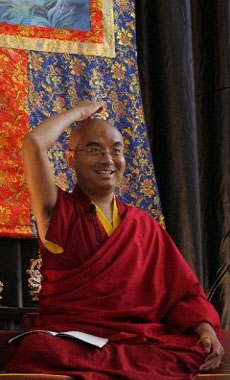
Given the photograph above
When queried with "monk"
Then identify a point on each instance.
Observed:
(109, 270)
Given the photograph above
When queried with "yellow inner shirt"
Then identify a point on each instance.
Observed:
(109, 227)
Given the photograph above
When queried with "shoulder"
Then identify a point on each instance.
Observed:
(62, 217)
(64, 204)
(139, 214)
(64, 196)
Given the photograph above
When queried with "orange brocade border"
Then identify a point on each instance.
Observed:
(95, 35)
(14, 121)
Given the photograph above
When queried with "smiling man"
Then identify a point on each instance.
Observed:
(109, 270)
(97, 156)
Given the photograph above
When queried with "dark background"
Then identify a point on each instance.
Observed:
(184, 66)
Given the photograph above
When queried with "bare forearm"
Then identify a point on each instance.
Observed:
(47, 133)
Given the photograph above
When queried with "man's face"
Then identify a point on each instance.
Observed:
(100, 172)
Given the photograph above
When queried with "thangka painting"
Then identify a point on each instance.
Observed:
(53, 54)
(63, 26)
(64, 14)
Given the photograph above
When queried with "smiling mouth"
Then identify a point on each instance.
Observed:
(105, 172)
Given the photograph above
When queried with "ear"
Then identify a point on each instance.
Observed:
(69, 157)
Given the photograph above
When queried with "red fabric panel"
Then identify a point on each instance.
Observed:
(14, 121)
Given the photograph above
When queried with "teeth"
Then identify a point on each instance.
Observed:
(105, 171)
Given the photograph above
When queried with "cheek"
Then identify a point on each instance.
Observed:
(82, 166)
(121, 166)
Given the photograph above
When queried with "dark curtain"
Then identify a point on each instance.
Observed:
(184, 66)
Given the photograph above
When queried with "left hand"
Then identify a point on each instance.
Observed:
(86, 109)
(212, 346)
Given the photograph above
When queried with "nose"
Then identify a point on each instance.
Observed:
(106, 157)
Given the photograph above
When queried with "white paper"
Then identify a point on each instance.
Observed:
(88, 338)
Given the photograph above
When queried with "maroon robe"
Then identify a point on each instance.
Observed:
(134, 288)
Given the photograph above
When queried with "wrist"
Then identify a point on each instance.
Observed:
(203, 328)
(71, 115)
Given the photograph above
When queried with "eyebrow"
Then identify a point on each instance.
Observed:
(94, 143)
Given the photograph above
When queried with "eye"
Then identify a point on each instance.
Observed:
(117, 151)
(95, 150)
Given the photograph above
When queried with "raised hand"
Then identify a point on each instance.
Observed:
(86, 109)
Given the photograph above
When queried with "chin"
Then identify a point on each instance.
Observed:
(105, 186)
(98, 186)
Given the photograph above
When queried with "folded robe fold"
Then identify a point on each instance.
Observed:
(134, 288)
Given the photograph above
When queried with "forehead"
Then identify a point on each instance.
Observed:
(99, 132)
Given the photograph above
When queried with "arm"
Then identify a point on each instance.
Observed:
(212, 346)
(188, 307)
(38, 172)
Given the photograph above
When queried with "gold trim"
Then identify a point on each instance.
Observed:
(105, 49)
(213, 374)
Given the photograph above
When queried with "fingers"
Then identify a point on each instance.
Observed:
(97, 107)
(211, 363)
(87, 109)
(102, 107)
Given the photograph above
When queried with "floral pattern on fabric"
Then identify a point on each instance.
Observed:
(14, 119)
